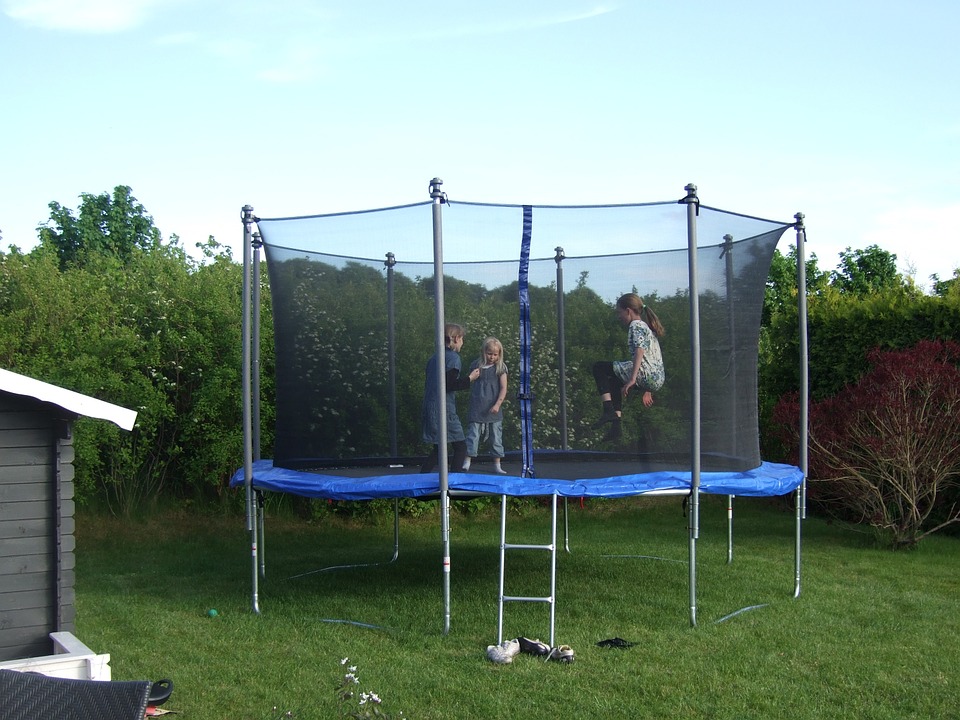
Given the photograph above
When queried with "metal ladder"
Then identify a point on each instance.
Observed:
(550, 599)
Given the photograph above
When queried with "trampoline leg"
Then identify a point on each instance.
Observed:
(730, 529)
(396, 529)
(261, 536)
(255, 515)
(796, 550)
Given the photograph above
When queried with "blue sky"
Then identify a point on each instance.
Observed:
(845, 111)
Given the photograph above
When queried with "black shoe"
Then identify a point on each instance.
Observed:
(615, 431)
(607, 416)
(533, 647)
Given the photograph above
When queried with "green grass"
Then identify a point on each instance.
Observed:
(874, 634)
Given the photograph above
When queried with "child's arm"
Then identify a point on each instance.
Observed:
(456, 381)
(502, 396)
(634, 371)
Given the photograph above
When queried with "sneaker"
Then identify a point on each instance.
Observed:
(504, 652)
(561, 653)
(533, 647)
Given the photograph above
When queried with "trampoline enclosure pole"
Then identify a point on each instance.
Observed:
(801, 501)
(246, 391)
(693, 204)
(438, 199)
(391, 356)
(256, 244)
(561, 349)
(727, 256)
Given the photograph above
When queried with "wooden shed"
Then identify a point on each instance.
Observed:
(36, 509)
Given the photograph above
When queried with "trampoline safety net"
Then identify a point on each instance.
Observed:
(353, 305)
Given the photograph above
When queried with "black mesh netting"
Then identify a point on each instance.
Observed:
(340, 364)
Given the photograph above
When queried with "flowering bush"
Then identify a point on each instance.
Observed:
(356, 703)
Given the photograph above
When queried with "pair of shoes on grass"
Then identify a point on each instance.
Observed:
(507, 650)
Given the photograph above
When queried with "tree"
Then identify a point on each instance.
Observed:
(942, 288)
(863, 271)
(781, 287)
(106, 226)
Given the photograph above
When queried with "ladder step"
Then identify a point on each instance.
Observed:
(520, 598)
(510, 546)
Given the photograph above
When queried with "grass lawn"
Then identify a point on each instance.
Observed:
(874, 634)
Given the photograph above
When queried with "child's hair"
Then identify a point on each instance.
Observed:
(451, 332)
(490, 342)
(632, 301)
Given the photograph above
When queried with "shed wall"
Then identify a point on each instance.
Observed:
(36, 526)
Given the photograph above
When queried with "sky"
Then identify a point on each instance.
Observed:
(843, 110)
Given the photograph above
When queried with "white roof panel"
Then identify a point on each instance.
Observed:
(67, 399)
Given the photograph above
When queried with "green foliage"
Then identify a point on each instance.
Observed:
(946, 287)
(864, 271)
(114, 226)
(843, 328)
(146, 328)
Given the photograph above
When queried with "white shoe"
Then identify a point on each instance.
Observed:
(504, 652)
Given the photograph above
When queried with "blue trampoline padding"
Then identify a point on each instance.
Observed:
(767, 480)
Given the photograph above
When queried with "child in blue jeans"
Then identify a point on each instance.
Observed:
(487, 393)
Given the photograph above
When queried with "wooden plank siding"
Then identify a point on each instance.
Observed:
(36, 526)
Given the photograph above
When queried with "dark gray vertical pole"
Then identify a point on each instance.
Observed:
(248, 222)
(256, 243)
(440, 346)
(801, 498)
(561, 349)
(562, 361)
(391, 356)
(693, 206)
(733, 425)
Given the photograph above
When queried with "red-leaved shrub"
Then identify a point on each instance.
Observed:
(886, 450)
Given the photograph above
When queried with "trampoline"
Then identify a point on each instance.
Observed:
(352, 332)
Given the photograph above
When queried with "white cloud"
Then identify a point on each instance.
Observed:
(96, 16)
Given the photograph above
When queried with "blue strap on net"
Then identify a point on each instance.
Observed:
(525, 395)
